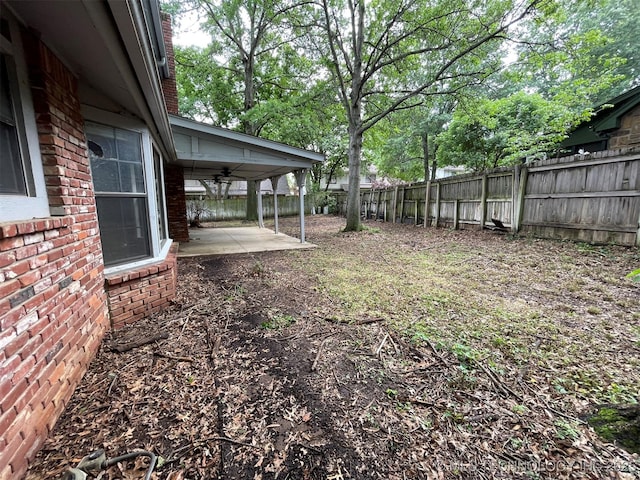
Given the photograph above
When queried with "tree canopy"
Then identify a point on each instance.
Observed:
(477, 83)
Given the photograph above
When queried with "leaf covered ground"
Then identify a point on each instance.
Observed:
(393, 353)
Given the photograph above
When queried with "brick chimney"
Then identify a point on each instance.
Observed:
(173, 174)
(169, 88)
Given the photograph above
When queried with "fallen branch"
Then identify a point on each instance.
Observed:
(175, 453)
(417, 401)
(315, 361)
(505, 389)
(125, 347)
(482, 416)
(367, 321)
(384, 340)
(113, 382)
(436, 354)
(173, 357)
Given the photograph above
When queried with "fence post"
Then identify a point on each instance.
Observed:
(426, 203)
(456, 214)
(384, 215)
(394, 204)
(521, 174)
(404, 191)
(415, 212)
(437, 214)
(367, 203)
(483, 202)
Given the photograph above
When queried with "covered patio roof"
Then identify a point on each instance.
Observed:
(206, 152)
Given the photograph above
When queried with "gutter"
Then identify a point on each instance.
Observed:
(152, 8)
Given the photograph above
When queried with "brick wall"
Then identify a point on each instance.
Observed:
(53, 307)
(174, 177)
(628, 135)
(169, 87)
(176, 203)
(141, 292)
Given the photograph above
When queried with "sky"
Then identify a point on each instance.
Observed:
(188, 32)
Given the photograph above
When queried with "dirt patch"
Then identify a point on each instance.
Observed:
(393, 353)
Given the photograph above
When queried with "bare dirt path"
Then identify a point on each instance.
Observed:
(392, 353)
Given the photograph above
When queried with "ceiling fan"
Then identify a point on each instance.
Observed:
(224, 176)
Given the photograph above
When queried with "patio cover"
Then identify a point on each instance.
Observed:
(206, 152)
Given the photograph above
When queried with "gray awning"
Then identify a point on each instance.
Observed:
(205, 152)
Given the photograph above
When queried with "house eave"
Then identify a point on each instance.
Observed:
(227, 135)
(109, 47)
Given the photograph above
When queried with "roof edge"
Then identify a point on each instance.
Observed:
(226, 134)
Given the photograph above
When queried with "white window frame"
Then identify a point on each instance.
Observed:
(159, 246)
(35, 204)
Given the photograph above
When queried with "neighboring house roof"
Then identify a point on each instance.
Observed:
(607, 119)
(116, 48)
(205, 152)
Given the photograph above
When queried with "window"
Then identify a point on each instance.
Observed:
(159, 182)
(22, 187)
(12, 180)
(127, 180)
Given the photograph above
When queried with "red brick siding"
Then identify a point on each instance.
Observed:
(174, 177)
(53, 307)
(176, 203)
(135, 294)
(60, 131)
(169, 87)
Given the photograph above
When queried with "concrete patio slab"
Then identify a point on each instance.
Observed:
(224, 241)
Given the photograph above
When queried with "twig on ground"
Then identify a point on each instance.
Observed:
(437, 355)
(379, 349)
(184, 325)
(550, 408)
(367, 321)
(172, 357)
(505, 389)
(175, 454)
(113, 382)
(315, 361)
(125, 347)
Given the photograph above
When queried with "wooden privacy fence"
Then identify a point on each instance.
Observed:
(593, 198)
(213, 210)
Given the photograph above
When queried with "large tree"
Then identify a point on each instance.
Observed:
(249, 58)
(586, 53)
(487, 134)
(386, 56)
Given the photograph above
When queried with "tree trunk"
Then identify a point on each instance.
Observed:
(249, 93)
(252, 200)
(355, 122)
(425, 155)
(353, 195)
(434, 164)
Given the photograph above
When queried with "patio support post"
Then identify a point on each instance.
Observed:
(274, 186)
(301, 176)
(258, 184)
